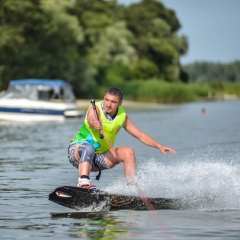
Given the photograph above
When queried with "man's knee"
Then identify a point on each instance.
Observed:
(125, 154)
(129, 151)
(86, 152)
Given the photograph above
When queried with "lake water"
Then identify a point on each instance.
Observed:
(205, 173)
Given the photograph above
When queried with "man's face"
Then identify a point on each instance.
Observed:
(111, 103)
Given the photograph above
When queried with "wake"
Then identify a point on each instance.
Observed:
(205, 185)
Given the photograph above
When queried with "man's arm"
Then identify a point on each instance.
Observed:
(130, 127)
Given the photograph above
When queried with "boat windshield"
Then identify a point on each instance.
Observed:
(45, 91)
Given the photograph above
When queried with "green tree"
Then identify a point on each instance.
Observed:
(38, 39)
(89, 42)
(113, 49)
(106, 44)
(154, 28)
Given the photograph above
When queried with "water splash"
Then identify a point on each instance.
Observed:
(204, 184)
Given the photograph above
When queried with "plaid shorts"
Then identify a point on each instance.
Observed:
(98, 162)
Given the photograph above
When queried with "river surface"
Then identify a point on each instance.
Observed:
(205, 172)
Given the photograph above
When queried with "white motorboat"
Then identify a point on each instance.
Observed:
(38, 100)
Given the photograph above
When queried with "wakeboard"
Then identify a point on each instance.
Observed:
(80, 198)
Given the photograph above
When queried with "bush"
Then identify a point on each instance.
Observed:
(155, 90)
(200, 89)
(160, 91)
(232, 88)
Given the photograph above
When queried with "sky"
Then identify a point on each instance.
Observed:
(211, 26)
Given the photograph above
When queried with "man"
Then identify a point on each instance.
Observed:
(92, 148)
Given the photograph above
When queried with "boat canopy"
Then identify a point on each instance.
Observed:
(39, 89)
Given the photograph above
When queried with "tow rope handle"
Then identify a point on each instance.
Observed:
(95, 110)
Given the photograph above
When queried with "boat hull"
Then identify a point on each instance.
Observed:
(33, 110)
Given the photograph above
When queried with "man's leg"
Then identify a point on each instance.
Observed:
(126, 155)
(85, 153)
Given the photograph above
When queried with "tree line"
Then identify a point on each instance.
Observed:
(204, 72)
(89, 42)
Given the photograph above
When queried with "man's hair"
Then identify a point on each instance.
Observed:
(115, 91)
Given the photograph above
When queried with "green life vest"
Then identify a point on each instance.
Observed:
(110, 131)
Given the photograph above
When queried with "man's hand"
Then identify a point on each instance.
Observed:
(164, 150)
(93, 121)
(97, 125)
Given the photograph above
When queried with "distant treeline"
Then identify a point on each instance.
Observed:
(89, 42)
(213, 72)
(97, 43)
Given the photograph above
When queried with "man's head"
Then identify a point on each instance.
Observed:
(115, 92)
(112, 100)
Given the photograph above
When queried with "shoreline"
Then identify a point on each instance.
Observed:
(83, 104)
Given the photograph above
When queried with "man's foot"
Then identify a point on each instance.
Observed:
(85, 183)
(131, 182)
(91, 186)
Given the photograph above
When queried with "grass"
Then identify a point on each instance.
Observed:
(158, 91)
